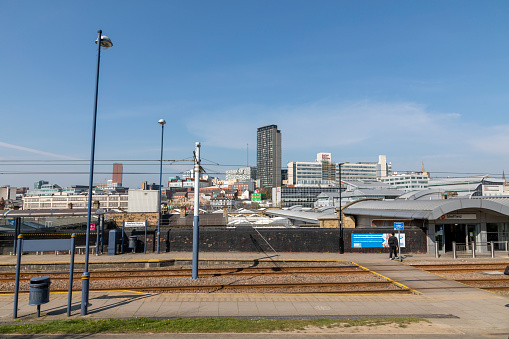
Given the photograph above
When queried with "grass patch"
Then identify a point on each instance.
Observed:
(193, 325)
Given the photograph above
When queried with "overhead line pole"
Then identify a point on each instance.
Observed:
(196, 230)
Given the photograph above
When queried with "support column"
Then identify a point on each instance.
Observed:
(430, 237)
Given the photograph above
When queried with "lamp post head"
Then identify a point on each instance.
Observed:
(105, 42)
(162, 122)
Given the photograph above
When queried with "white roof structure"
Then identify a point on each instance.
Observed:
(398, 209)
(426, 209)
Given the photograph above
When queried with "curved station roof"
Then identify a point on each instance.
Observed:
(426, 209)
(404, 209)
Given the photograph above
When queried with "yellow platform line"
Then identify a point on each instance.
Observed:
(387, 278)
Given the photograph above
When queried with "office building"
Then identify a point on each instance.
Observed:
(64, 200)
(241, 174)
(268, 156)
(303, 196)
(365, 170)
(321, 171)
(324, 172)
(408, 181)
(118, 170)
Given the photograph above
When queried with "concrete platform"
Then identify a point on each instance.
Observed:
(445, 303)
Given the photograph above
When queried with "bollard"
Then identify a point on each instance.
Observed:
(492, 249)
(473, 249)
(454, 249)
(436, 250)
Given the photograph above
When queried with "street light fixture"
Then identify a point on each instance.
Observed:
(103, 42)
(341, 239)
(161, 122)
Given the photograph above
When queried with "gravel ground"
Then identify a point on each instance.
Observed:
(228, 280)
(502, 279)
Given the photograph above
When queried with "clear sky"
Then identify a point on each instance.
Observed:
(418, 81)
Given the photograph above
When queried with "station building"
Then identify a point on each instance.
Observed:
(478, 220)
(462, 220)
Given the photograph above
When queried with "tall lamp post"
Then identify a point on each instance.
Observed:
(103, 42)
(341, 239)
(161, 122)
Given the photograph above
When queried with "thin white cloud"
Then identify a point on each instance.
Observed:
(321, 125)
(31, 150)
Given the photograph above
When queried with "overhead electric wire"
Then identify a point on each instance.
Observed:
(170, 162)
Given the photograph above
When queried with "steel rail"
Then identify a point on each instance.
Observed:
(284, 287)
(216, 271)
(180, 275)
(462, 265)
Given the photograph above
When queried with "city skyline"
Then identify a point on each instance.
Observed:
(417, 81)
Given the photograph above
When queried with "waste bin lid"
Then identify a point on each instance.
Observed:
(40, 280)
(133, 237)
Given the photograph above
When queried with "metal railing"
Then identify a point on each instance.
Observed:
(476, 249)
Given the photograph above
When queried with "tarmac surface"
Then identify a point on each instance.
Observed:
(452, 308)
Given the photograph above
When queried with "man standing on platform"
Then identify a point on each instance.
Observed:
(393, 246)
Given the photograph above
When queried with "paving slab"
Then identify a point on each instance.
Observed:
(443, 302)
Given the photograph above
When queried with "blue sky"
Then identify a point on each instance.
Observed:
(418, 81)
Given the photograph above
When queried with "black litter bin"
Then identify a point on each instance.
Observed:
(133, 241)
(39, 292)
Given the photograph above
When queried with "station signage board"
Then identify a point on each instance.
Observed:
(135, 223)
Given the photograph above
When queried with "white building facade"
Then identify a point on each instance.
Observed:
(63, 200)
(324, 171)
(408, 181)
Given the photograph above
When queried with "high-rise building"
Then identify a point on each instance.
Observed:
(268, 156)
(117, 173)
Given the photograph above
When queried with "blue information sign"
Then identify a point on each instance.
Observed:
(368, 240)
(12, 222)
(398, 226)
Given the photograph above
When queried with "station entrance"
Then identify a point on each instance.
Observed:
(463, 234)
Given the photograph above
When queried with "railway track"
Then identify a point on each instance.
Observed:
(204, 272)
(301, 279)
(462, 272)
(286, 288)
(461, 267)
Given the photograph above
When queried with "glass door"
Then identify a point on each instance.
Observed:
(439, 238)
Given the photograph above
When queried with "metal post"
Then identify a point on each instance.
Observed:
(436, 249)
(97, 228)
(161, 122)
(145, 247)
(399, 246)
(122, 246)
(16, 282)
(454, 250)
(196, 219)
(341, 239)
(16, 233)
(86, 275)
(492, 249)
(473, 249)
(71, 274)
(101, 218)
